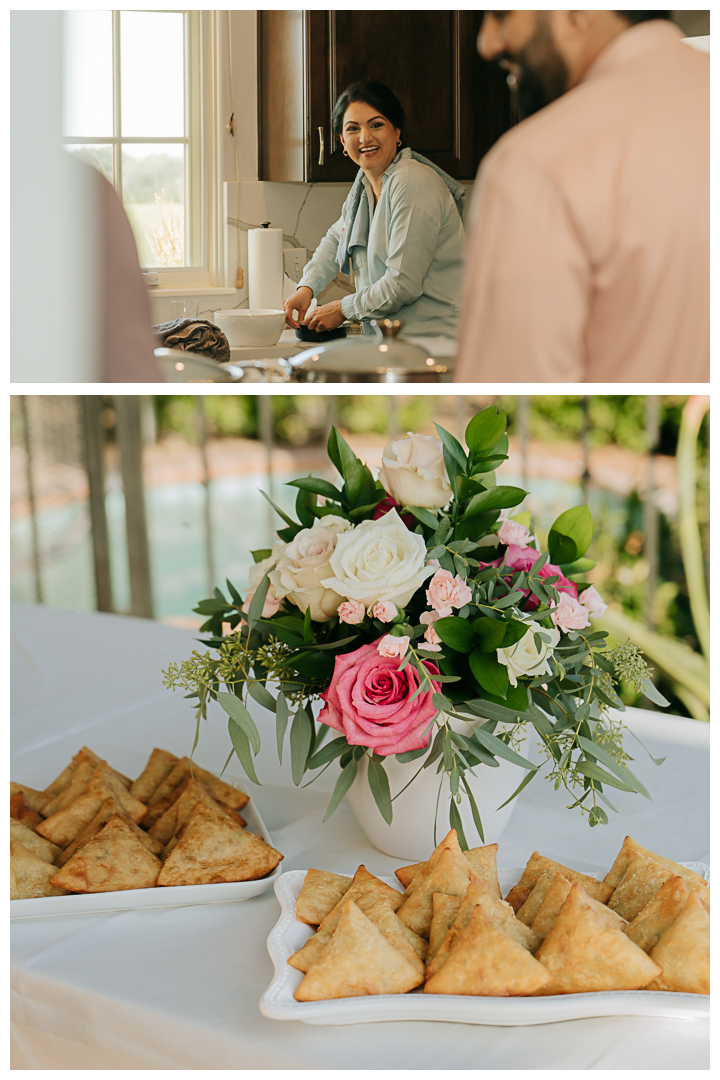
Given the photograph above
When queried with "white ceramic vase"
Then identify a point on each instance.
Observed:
(410, 834)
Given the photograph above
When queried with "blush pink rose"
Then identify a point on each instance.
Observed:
(393, 646)
(593, 601)
(352, 612)
(512, 532)
(432, 641)
(569, 614)
(523, 558)
(270, 607)
(368, 701)
(384, 611)
(446, 592)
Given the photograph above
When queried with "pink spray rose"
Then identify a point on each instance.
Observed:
(368, 701)
(512, 532)
(393, 646)
(569, 614)
(350, 611)
(384, 611)
(432, 641)
(270, 607)
(523, 558)
(446, 592)
(593, 601)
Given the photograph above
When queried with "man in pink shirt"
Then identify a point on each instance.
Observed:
(588, 257)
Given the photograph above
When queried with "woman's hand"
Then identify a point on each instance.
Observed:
(327, 317)
(299, 301)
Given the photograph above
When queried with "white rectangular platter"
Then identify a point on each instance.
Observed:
(171, 896)
(290, 934)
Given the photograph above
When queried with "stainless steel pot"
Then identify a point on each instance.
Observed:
(385, 358)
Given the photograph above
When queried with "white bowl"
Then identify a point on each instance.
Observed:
(248, 327)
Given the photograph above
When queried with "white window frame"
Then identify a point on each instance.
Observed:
(201, 203)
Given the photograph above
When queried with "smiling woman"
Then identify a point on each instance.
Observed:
(400, 227)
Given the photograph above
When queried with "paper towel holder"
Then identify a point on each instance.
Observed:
(264, 224)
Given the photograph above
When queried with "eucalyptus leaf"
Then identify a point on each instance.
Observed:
(262, 695)
(282, 713)
(241, 745)
(235, 709)
(380, 788)
(456, 824)
(301, 732)
(343, 785)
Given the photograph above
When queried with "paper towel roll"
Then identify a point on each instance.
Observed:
(265, 268)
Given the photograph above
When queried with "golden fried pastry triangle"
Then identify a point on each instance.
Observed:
(683, 951)
(659, 914)
(320, 893)
(585, 953)
(35, 844)
(64, 826)
(214, 849)
(113, 861)
(641, 881)
(448, 843)
(500, 914)
(537, 865)
(394, 931)
(483, 863)
(450, 874)
(553, 900)
(485, 961)
(445, 909)
(36, 799)
(107, 809)
(22, 811)
(159, 766)
(631, 847)
(30, 876)
(358, 961)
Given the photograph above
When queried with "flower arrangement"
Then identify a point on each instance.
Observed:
(399, 606)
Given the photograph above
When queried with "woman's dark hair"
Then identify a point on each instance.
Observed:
(375, 94)
(634, 17)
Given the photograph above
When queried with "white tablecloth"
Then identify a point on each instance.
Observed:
(179, 988)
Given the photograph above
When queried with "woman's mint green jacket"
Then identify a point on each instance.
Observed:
(412, 266)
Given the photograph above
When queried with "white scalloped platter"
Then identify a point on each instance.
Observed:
(290, 934)
(43, 907)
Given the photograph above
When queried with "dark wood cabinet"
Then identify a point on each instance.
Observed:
(456, 104)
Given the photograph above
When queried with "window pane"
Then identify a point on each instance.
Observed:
(154, 197)
(152, 74)
(88, 78)
(100, 157)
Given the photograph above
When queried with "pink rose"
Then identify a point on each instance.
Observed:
(593, 601)
(393, 646)
(270, 606)
(351, 612)
(512, 532)
(523, 558)
(384, 611)
(446, 592)
(569, 614)
(432, 641)
(368, 701)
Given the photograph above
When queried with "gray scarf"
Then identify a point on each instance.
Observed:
(357, 224)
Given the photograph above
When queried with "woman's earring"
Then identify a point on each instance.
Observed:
(399, 142)
(345, 153)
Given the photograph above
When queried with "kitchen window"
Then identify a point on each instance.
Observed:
(133, 108)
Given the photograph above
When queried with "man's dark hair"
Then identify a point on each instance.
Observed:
(643, 16)
(377, 95)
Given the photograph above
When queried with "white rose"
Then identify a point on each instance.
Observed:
(413, 472)
(301, 568)
(336, 524)
(258, 570)
(524, 657)
(379, 560)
